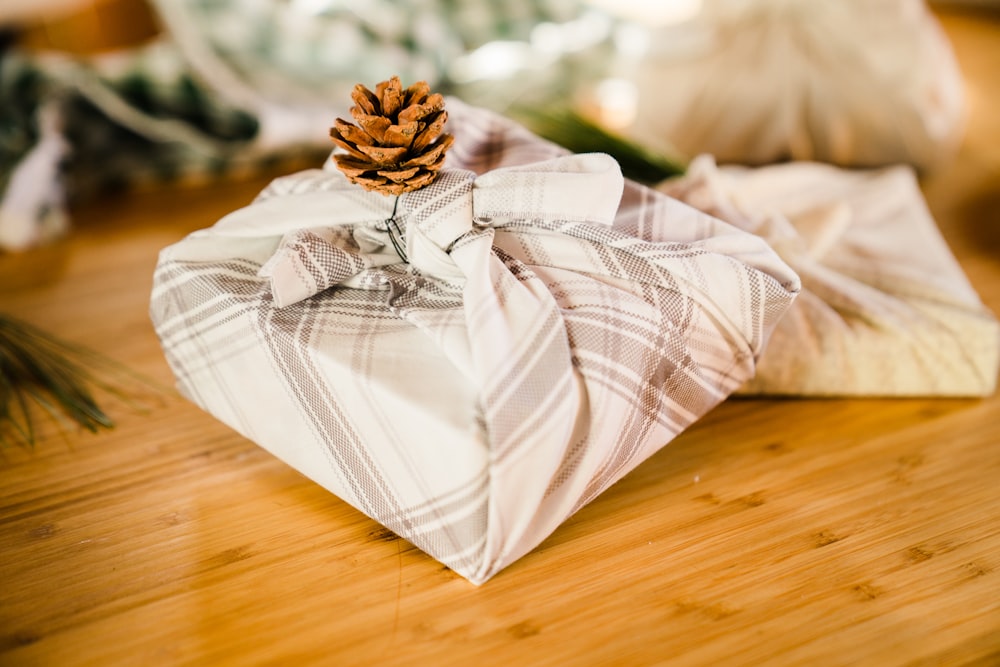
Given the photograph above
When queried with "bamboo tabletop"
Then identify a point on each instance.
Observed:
(773, 532)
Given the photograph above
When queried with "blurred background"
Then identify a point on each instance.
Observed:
(98, 95)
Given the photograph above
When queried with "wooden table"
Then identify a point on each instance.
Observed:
(784, 532)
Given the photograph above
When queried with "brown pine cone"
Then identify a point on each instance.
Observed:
(397, 145)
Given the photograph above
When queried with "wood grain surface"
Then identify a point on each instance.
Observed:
(774, 532)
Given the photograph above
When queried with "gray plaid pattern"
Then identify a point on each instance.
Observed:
(549, 334)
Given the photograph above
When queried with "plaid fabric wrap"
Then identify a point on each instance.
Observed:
(554, 327)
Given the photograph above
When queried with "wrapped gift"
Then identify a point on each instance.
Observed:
(551, 327)
(860, 83)
(885, 308)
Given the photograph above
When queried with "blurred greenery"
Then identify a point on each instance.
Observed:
(575, 132)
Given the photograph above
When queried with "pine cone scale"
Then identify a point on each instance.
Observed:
(429, 134)
(430, 106)
(365, 99)
(420, 180)
(399, 175)
(374, 126)
(351, 133)
(353, 167)
(431, 156)
(416, 93)
(347, 146)
(390, 94)
(383, 156)
(401, 135)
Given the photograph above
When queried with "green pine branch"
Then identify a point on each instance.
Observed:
(575, 132)
(40, 371)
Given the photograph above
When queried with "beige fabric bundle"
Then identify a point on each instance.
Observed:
(885, 309)
(857, 83)
(554, 326)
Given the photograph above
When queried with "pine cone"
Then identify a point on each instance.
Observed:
(397, 145)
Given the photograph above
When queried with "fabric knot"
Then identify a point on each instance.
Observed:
(436, 217)
(443, 211)
(583, 188)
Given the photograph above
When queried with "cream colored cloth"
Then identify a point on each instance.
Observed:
(885, 309)
(858, 83)
(555, 325)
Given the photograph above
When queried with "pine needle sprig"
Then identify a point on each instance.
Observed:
(572, 130)
(40, 370)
